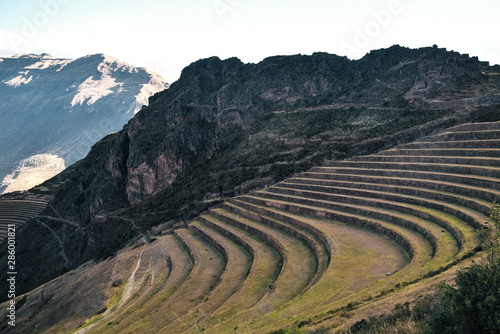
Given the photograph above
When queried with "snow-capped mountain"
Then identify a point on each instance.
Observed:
(59, 108)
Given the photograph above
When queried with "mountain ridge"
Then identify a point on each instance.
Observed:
(62, 106)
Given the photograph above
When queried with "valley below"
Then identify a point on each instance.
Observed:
(33, 171)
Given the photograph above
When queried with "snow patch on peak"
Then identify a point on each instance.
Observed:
(26, 55)
(155, 85)
(46, 63)
(110, 59)
(157, 77)
(110, 64)
(21, 79)
(101, 56)
(90, 91)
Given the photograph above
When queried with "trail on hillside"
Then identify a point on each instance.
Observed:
(127, 293)
(132, 282)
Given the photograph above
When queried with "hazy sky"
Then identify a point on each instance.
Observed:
(167, 35)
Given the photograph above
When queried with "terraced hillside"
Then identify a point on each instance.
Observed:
(332, 238)
(17, 208)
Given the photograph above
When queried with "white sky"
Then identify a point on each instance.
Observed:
(167, 35)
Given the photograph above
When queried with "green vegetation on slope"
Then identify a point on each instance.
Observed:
(470, 306)
(280, 144)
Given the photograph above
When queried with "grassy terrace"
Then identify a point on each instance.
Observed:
(209, 265)
(266, 267)
(299, 264)
(162, 270)
(461, 144)
(238, 269)
(440, 152)
(450, 135)
(402, 213)
(353, 266)
(450, 160)
(404, 202)
(19, 210)
(311, 237)
(456, 179)
(486, 171)
(475, 127)
(398, 187)
(335, 237)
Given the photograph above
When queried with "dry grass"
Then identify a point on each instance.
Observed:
(156, 289)
(352, 268)
(258, 277)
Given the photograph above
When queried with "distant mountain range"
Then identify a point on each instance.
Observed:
(53, 110)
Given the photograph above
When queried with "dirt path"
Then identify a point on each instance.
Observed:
(132, 282)
(61, 244)
(127, 293)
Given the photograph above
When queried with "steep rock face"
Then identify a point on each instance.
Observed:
(226, 127)
(214, 99)
(62, 106)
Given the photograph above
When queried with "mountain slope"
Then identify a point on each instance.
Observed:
(226, 128)
(60, 107)
(322, 103)
(318, 249)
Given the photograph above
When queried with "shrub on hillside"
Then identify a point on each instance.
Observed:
(473, 305)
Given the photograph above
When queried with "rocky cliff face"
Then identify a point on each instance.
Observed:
(60, 107)
(226, 127)
(214, 99)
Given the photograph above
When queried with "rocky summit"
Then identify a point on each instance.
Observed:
(230, 131)
(52, 110)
